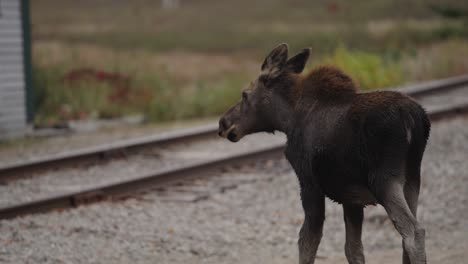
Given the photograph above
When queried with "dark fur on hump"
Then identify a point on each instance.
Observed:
(327, 83)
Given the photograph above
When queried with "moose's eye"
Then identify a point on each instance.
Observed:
(244, 96)
(263, 79)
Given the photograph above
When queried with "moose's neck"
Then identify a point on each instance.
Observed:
(322, 87)
(283, 118)
(285, 114)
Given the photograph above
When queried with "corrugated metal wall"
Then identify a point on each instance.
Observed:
(12, 84)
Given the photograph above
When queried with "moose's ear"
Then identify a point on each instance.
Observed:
(276, 59)
(297, 63)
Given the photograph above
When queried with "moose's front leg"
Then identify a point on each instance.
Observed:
(353, 217)
(313, 202)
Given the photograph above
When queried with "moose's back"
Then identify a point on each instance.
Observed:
(339, 145)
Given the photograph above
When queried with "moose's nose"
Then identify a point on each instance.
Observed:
(223, 126)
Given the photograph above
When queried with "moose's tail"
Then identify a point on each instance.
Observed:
(420, 129)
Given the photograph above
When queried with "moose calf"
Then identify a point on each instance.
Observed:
(355, 148)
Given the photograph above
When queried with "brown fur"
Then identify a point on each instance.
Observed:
(327, 83)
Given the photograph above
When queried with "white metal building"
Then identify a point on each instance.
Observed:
(15, 68)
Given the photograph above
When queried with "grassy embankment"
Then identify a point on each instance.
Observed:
(192, 62)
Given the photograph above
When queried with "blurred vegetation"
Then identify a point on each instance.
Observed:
(369, 70)
(193, 61)
(59, 98)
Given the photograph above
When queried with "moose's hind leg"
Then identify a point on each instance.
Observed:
(353, 217)
(411, 191)
(391, 196)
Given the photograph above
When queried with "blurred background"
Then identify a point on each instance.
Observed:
(184, 59)
(93, 170)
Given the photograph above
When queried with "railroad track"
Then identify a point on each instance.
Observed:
(450, 100)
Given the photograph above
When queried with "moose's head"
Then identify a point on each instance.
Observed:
(264, 102)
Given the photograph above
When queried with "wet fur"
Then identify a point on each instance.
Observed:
(340, 136)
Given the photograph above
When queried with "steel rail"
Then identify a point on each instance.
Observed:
(97, 153)
(142, 182)
(431, 87)
(20, 169)
(151, 180)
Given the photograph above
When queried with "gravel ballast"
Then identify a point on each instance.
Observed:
(57, 182)
(245, 215)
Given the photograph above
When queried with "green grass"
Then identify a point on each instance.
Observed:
(378, 43)
(161, 96)
(159, 99)
(58, 100)
(369, 70)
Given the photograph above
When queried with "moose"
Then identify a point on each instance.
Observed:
(355, 148)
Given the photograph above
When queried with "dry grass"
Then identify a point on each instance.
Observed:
(220, 26)
(194, 60)
(437, 60)
(183, 66)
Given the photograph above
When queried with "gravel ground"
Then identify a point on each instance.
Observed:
(56, 182)
(244, 215)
